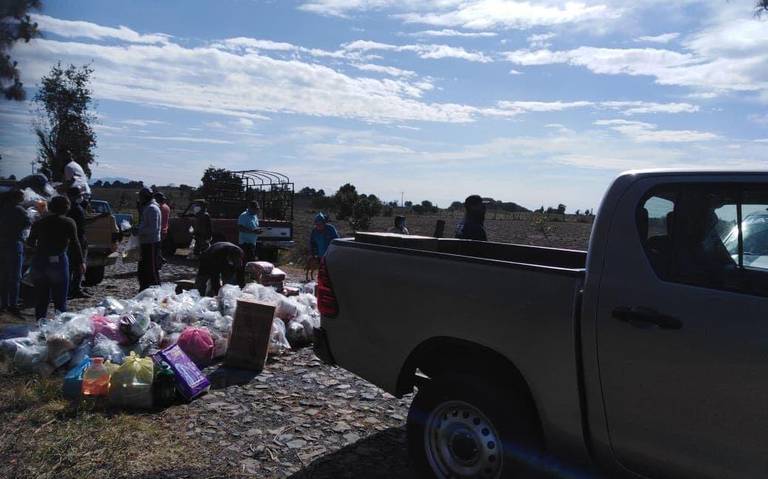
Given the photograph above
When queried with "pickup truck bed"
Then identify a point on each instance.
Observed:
(526, 295)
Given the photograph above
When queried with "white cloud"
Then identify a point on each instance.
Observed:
(393, 71)
(515, 72)
(540, 40)
(640, 107)
(626, 107)
(485, 14)
(663, 38)
(79, 29)
(667, 66)
(472, 14)
(542, 106)
(647, 132)
(422, 50)
(243, 45)
(244, 84)
(143, 122)
(186, 139)
(446, 32)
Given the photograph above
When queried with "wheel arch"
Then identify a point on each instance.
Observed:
(442, 354)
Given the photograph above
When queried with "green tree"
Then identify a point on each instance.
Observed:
(215, 180)
(64, 126)
(15, 25)
(344, 201)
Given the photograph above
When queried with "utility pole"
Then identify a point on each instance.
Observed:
(402, 199)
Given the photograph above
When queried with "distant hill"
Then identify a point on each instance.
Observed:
(110, 179)
(509, 206)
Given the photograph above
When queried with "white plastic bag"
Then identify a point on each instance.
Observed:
(287, 309)
(278, 343)
(132, 250)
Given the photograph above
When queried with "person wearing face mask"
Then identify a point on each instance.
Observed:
(203, 228)
(149, 240)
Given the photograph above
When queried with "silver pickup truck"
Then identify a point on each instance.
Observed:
(646, 356)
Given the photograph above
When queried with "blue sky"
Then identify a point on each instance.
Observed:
(537, 102)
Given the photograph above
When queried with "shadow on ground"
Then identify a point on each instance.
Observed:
(382, 455)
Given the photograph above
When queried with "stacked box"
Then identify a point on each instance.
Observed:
(275, 279)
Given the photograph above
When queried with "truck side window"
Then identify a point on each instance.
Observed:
(709, 235)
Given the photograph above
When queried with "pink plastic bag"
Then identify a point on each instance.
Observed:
(197, 343)
(110, 329)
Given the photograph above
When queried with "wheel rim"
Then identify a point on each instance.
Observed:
(461, 442)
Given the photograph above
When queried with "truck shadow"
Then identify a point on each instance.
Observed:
(382, 455)
(385, 455)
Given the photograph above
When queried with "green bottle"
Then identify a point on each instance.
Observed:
(164, 387)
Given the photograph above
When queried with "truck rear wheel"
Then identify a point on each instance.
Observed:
(465, 427)
(94, 275)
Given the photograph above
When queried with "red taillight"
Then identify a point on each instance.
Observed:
(326, 298)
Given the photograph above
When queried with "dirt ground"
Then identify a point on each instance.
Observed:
(299, 418)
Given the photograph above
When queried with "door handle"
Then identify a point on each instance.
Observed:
(646, 317)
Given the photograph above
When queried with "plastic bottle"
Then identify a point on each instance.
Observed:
(164, 387)
(96, 379)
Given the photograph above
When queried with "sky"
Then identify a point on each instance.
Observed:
(537, 102)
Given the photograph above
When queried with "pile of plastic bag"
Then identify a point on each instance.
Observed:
(156, 319)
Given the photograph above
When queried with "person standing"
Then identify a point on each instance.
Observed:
(248, 227)
(222, 261)
(149, 240)
(14, 220)
(165, 220)
(399, 226)
(321, 236)
(472, 226)
(77, 214)
(74, 176)
(203, 228)
(53, 236)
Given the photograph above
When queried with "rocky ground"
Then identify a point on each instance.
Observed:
(298, 418)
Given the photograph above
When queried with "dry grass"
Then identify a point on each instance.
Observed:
(44, 436)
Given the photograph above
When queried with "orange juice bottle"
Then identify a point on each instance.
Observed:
(96, 379)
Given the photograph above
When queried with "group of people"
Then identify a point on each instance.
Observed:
(58, 241)
(61, 248)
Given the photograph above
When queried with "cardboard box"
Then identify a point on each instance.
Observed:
(251, 330)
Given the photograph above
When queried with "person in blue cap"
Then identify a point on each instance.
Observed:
(321, 236)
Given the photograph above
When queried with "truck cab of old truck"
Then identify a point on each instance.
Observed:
(646, 356)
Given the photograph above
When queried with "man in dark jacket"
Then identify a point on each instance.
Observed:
(220, 262)
(471, 227)
(14, 221)
(203, 228)
(77, 213)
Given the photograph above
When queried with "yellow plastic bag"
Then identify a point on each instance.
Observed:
(131, 384)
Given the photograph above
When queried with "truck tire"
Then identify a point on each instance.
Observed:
(94, 275)
(461, 426)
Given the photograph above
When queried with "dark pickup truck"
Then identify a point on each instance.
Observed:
(645, 356)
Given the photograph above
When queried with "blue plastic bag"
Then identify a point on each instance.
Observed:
(73, 380)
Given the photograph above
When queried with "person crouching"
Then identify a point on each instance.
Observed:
(222, 261)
